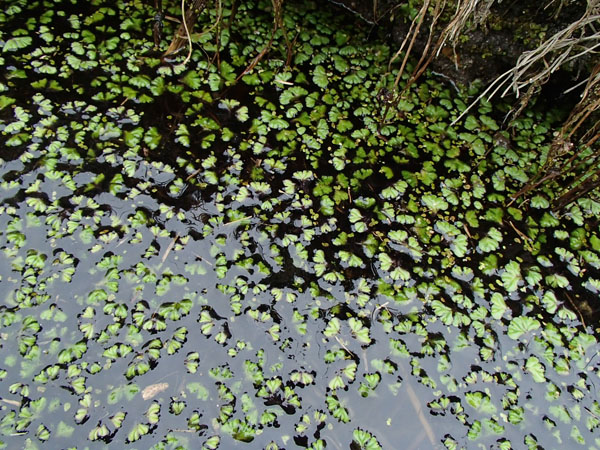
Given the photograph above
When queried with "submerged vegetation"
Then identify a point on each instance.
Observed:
(263, 250)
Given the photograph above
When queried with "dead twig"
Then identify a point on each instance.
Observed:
(277, 24)
(346, 348)
(534, 67)
(416, 404)
(169, 248)
(576, 309)
(182, 35)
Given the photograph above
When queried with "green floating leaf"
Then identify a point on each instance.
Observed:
(365, 440)
(489, 122)
(460, 245)
(511, 277)
(557, 280)
(442, 311)
(536, 369)
(336, 409)
(481, 402)
(521, 325)
(499, 306)
(351, 259)
(534, 276)
(550, 302)
(491, 242)
(539, 202)
(212, 443)
(193, 79)
(17, 43)
(434, 203)
(214, 81)
(561, 413)
(6, 101)
(137, 432)
(320, 77)
(359, 331)
(333, 327)
(471, 123)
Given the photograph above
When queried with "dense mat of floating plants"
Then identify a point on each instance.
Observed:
(190, 262)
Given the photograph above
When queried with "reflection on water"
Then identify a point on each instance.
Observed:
(187, 263)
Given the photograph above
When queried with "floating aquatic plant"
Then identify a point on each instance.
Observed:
(200, 260)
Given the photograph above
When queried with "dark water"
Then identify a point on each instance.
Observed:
(189, 261)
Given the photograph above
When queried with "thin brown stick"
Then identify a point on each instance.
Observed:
(169, 248)
(346, 348)
(531, 185)
(594, 138)
(182, 35)
(421, 17)
(416, 404)
(576, 309)
(579, 191)
(424, 61)
(256, 60)
(10, 402)
(520, 233)
(277, 22)
(187, 33)
(194, 173)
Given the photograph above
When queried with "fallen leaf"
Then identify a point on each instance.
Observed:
(153, 389)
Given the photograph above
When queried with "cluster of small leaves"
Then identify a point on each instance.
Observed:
(270, 258)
